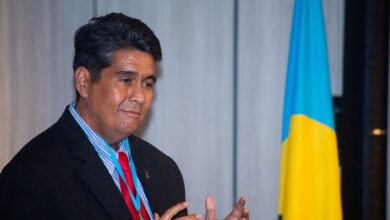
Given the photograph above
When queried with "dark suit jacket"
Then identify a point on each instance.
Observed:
(59, 175)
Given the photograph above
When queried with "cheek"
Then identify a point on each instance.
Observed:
(109, 101)
(104, 94)
(117, 97)
(114, 98)
(149, 100)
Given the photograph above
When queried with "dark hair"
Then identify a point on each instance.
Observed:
(96, 41)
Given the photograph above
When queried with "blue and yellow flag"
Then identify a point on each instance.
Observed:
(310, 178)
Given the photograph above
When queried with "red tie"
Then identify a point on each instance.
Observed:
(124, 162)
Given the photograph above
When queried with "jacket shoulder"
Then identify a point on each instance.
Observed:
(40, 148)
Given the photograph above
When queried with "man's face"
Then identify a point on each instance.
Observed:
(116, 103)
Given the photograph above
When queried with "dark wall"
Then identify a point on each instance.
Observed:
(363, 121)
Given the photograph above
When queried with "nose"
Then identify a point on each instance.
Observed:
(137, 95)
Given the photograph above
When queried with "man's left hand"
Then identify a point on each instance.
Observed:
(239, 212)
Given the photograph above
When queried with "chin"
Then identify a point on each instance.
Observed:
(129, 130)
(129, 127)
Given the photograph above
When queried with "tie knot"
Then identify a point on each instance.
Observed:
(123, 161)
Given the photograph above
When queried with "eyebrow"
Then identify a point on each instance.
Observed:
(126, 72)
(132, 73)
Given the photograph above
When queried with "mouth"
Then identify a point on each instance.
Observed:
(132, 114)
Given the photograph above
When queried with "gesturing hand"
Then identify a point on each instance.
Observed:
(168, 215)
(239, 211)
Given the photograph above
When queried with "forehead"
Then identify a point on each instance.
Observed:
(133, 60)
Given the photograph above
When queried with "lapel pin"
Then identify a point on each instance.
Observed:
(147, 175)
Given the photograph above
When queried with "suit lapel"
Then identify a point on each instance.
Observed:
(92, 170)
(94, 174)
(157, 178)
(146, 173)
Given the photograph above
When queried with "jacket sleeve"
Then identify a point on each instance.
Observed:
(180, 188)
(21, 194)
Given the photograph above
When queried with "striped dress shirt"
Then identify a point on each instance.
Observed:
(99, 145)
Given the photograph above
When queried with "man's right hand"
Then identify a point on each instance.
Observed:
(239, 212)
(168, 215)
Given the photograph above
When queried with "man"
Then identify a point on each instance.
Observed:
(89, 165)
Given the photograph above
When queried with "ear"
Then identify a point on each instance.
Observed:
(82, 78)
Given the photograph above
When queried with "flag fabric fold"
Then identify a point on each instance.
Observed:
(310, 177)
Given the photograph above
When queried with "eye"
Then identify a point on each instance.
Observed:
(125, 80)
(149, 83)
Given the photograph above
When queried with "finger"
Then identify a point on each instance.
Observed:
(238, 209)
(210, 208)
(190, 217)
(245, 214)
(156, 216)
(174, 210)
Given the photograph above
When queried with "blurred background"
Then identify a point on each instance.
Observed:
(219, 96)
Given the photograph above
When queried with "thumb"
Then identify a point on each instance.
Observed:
(210, 208)
(156, 216)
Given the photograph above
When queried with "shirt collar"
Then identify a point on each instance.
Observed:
(96, 140)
